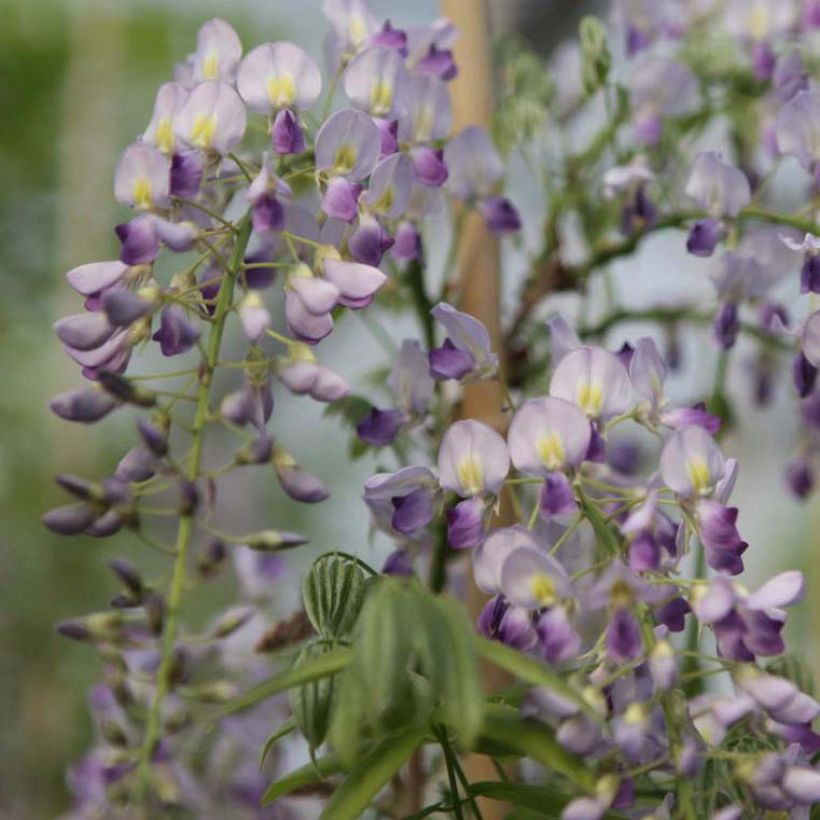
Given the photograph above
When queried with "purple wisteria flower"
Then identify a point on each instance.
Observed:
(473, 459)
(466, 352)
(595, 380)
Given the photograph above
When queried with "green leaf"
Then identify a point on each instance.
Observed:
(374, 770)
(333, 593)
(285, 729)
(461, 697)
(539, 798)
(305, 775)
(536, 740)
(314, 669)
(530, 671)
(311, 703)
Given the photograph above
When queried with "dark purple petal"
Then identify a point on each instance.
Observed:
(85, 406)
(122, 307)
(388, 136)
(369, 242)
(71, 519)
(810, 274)
(140, 243)
(500, 215)
(439, 62)
(412, 511)
(720, 537)
(800, 477)
(186, 174)
(429, 167)
(726, 325)
(704, 236)
(557, 497)
(450, 362)
(177, 333)
(390, 37)
(465, 524)
(287, 135)
(301, 485)
(804, 375)
(268, 214)
(341, 199)
(644, 553)
(407, 242)
(623, 637)
(399, 562)
(379, 427)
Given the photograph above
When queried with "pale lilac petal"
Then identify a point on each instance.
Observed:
(142, 178)
(474, 165)
(532, 579)
(218, 51)
(278, 75)
(374, 80)
(785, 589)
(212, 118)
(548, 434)
(354, 280)
(719, 188)
(160, 130)
(348, 144)
(595, 380)
(489, 558)
(390, 185)
(473, 459)
(647, 370)
(691, 463)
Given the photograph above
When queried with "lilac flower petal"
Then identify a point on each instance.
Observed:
(473, 459)
(280, 75)
(595, 380)
(348, 144)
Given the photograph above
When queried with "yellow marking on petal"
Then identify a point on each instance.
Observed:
(165, 135)
(542, 588)
(385, 201)
(381, 97)
(470, 475)
(551, 450)
(203, 131)
(210, 66)
(590, 397)
(620, 595)
(281, 89)
(423, 123)
(345, 159)
(357, 28)
(635, 713)
(698, 472)
(142, 193)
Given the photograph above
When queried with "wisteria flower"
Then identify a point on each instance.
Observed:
(473, 459)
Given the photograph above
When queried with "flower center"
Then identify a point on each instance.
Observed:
(551, 450)
(165, 135)
(543, 589)
(210, 66)
(203, 131)
(142, 193)
(470, 475)
(590, 397)
(281, 90)
(345, 158)
(381, 97)
(698, 472)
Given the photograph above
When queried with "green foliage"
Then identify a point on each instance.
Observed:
(333, 593)
(311, 703)
(595, 57)
(371, 773)
(413, 661)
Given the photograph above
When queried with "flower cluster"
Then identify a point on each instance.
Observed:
(657, 685)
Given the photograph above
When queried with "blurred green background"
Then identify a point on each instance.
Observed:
(77, 82)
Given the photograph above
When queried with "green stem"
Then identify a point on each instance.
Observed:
(775, 218)
(163, 684)
(694, 686)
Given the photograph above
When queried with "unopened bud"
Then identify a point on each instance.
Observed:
(125, 390)
(257, 451)
(155, 611)
(231, 621)
(188, 497)
(273, 540)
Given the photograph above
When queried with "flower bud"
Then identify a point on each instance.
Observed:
(273, 540)
(297, 482)
(257, 451)
(231, 621)
(123, 389)
(71, 519)
(187, 497)
(155, 612)
(85, 406)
